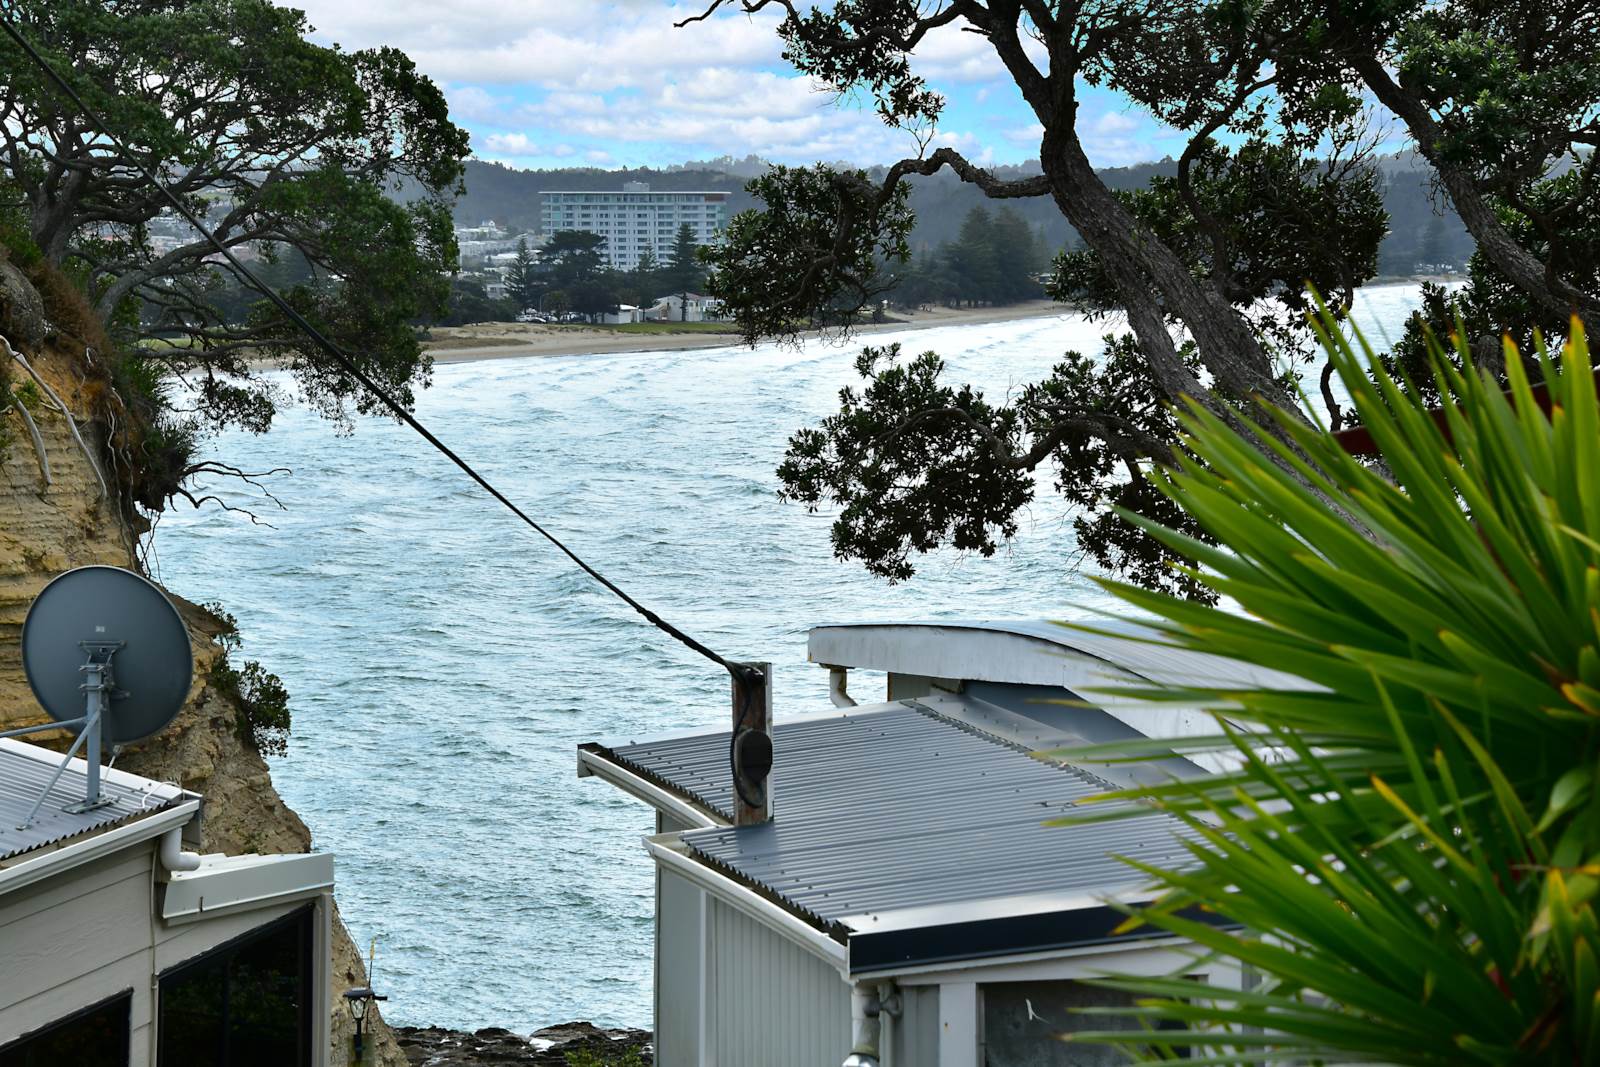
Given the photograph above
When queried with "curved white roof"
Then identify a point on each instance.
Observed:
(1045, 653)
(1033, 652)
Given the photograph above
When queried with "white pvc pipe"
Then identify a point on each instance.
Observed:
(864, 1028)
(173, 857)
(838, 678)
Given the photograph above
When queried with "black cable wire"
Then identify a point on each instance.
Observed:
(738, 670)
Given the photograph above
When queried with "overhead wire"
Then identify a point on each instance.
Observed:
(741, 672)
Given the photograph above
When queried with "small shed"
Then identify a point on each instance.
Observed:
(907, 880)
(122, 949)
(625, 313)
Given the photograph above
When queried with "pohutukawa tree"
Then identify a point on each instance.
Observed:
(290, 150)
(1276, 188)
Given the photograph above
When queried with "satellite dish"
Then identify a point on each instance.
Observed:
(107, 611)
(107, 655)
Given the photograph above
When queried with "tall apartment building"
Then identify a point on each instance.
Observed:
(636, 219)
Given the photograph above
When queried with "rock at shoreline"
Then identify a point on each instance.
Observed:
(432, 1046)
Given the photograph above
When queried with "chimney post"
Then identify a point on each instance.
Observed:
(752, 744)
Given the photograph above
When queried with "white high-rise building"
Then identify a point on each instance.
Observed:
(636, 219)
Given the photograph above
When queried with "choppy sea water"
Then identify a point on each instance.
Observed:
(444, 662)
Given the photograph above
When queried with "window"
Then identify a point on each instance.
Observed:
(94, 1037)
(245, 1004)
(1023, 1023)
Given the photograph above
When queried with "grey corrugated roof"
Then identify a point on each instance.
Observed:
(918, 647)
(24, 770)
(896, 807)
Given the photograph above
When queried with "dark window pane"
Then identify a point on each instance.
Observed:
(1023, 1023)
(246, 1004)
(192, 1014)
(95, 1038)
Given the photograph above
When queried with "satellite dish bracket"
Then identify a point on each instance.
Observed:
(100, 689)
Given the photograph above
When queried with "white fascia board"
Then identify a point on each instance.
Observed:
(49, 861)
(964, 652)
(668, 852)
(925, 915)
(692, 815)
(1078, 962)
(226, 884)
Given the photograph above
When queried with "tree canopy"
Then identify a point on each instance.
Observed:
(1275, 187)
(287, 148)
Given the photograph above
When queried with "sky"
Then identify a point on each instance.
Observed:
(563, 83)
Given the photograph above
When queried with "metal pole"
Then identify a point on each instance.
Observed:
(37, 804)
(65, 724)
(97, 695)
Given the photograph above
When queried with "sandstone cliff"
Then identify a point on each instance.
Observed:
(48, 527)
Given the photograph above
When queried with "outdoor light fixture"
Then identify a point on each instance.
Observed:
(359, 1000)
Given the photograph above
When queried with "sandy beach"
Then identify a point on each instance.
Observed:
(502, 340)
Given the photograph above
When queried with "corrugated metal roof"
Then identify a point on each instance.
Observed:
(895, 807)
(24, 770)
(1042, 654)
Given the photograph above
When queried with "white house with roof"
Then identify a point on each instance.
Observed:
(685, 307)
(122, 949)
(906, 904)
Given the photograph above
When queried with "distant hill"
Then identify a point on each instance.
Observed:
(1424, 229)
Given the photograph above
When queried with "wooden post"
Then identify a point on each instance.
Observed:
(752, 745)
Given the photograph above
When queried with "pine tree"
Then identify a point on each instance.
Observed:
(684, 271)
(522, 280)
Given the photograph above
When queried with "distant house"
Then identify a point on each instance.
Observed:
(685, 307)
(121, 948)
(906, 885)
(625, 313)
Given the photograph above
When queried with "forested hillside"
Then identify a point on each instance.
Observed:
(1420, 231)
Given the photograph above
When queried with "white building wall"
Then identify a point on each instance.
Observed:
(730, 992)
(94, 932)
(634, 220)
(771, 1001)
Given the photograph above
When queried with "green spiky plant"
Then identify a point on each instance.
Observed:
(1410, 848)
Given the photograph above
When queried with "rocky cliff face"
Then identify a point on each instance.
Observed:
(54, 515)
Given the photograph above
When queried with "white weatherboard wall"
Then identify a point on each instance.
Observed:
(731, 992)
(91, 933)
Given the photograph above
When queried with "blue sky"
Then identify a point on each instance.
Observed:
(560, 83)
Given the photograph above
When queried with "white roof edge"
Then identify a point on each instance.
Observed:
(960, 650)
(226, 884)
(636, 786)
(75, 852)
(1036, 652)
(994, 908)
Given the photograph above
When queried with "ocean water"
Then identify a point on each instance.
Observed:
(444, 662)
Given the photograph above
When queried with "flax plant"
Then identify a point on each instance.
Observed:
(1408, 850)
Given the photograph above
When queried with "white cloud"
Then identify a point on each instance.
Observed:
(1025, 135)
(546, 79)
(1113, 122)
(511, 144)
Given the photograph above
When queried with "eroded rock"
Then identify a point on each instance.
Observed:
(553, 1046)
